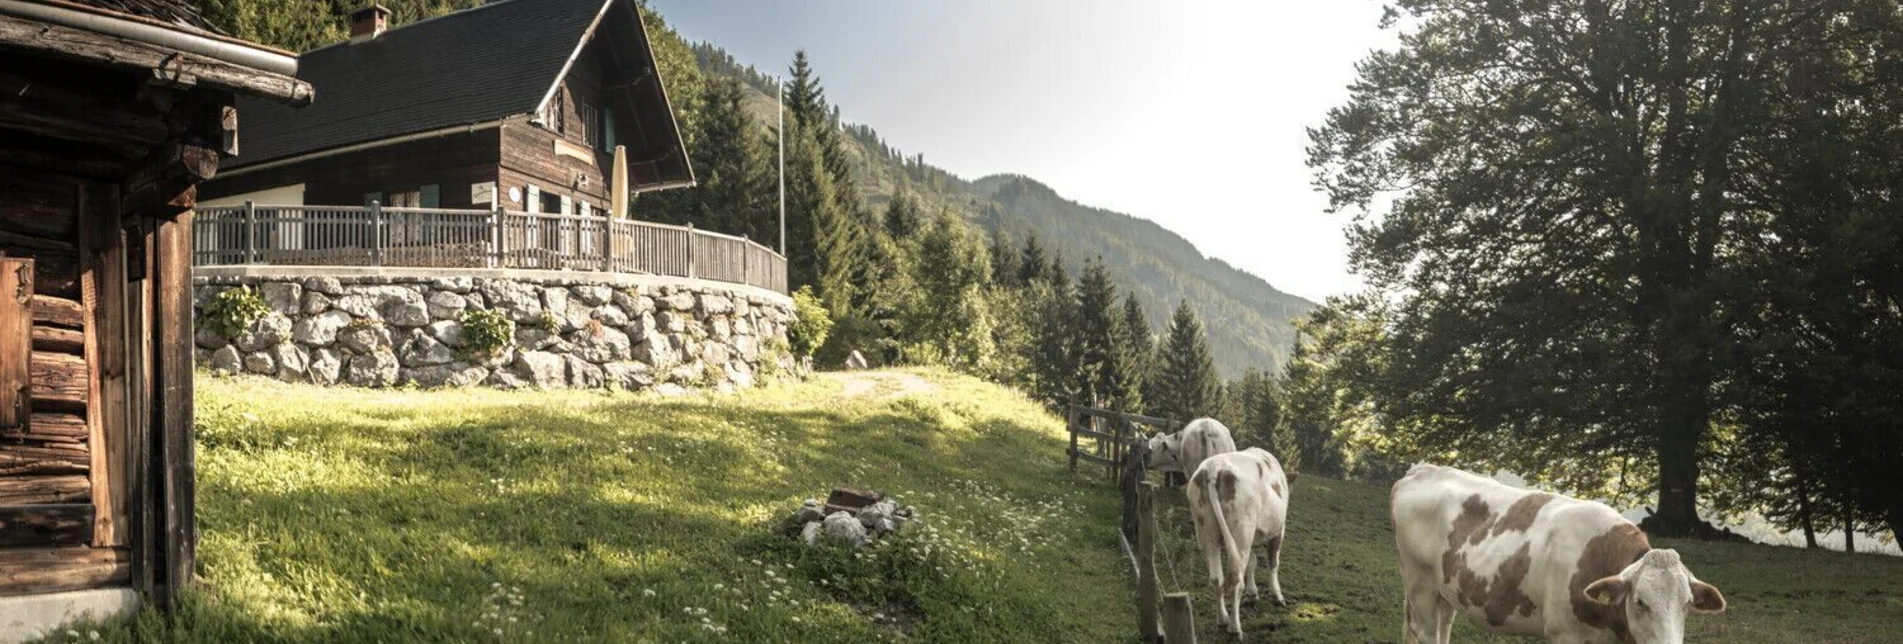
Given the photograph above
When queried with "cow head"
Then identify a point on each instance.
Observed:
(1166, 452)
(1656, 592)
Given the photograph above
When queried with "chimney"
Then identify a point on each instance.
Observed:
(368, 22)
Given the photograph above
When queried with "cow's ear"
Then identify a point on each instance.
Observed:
(1706, 598)
(1609, 591)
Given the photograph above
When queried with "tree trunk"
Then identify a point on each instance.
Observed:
(1804, 516)
(1850, 531)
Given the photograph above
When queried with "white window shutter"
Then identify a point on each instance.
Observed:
(585, 210)
(568, 205)
(533, 202)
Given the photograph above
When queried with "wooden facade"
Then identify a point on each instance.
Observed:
(104, 136)
(555, 158)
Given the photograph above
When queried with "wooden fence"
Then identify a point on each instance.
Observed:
(1121, 447)
(447, 238)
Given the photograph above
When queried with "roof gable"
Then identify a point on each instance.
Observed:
(473, 66)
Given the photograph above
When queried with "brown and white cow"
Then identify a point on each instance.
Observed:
(1184, 450)
(1234, 498)
(1524, 562)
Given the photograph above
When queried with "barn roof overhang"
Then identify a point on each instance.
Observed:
(179, 53)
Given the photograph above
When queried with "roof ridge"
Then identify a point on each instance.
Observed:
(485, 5)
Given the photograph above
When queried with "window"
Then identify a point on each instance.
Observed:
(552, 203)
(608, 130)
(590, 126)
(555, 115)
(431, 196)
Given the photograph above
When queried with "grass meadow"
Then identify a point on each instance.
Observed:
(343, 515)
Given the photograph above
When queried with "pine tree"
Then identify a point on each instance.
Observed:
(1032, 262)
(1186, 386)
(903, 217)
(1053, 362)
(1004, 258)
(735, 194)
(821, 237)
(1139, 347)
(1102, 346)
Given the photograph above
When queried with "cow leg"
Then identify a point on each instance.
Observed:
(1446, 631)
(1423, 616)
(1275, 567)
(1251, 593)
(1210, 542)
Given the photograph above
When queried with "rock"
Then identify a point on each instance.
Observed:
(476, 300)
(669, 390)
(325, 366)
(583, 374)
(226, 360)
(504, 379)
(679, 301)
(421, 350)
(260, 363)
(842, 527)
(538, 339)
(293, 363)
(411, 313)
(555, 300)
(314, 303)
(632, 376)
(636, 305)
(641, 326)
(592, 295)
(541, 369)
(747, 348)
(606, 344)
(856, 361)
(740, 374)
(577, 316)
(326, 285)
(375, 369)
(449, 332)
(691, 374)
(715, 304)
(283, 297)
(446, 305)
(657, 351)
(209, 339)
(457, 285)
(366, 338)
(741, 326)
(268, 330)
(810, 511)
(609, 315)
(362, 306)
(671, 321)
(810, 533)
(741, 308)
(714, 353)
(455, 374)
(880, 518)
(320, 330)
(522, 302)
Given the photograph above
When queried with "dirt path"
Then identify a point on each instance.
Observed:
(886, 384)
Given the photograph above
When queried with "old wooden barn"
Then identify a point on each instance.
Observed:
(111, 113)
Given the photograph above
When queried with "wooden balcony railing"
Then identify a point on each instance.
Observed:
(261, 234)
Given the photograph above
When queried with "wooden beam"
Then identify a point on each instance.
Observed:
(57, 311)
(58, 524)
(49, 427)
(57, 340)
(44, 458)
(166, 184)
(50, 110)
(87, 46)
(172, 405)
(59, 382)
(104, 288)
(61, 488)
(16, 347)
(27, 571)
(33, 242)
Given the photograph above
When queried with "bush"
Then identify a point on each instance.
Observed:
(229, 313)
(811, 323)
(486, 333)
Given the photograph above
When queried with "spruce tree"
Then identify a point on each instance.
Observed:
(1053, 363)
(1102, 348)
(1139, 347)
(1004, 258)
(735, 194)
(1032, 262)
(903, 217)
(1186, 385)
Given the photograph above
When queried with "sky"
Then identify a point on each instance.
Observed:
(1190, 113)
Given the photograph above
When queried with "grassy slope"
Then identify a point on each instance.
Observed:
(351, 515)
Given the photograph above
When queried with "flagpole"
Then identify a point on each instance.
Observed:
(782, 132)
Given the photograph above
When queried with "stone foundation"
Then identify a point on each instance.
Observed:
(390, 327)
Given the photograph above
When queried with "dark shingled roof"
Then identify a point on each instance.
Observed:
(472, 66)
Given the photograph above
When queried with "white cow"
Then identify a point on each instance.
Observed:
(1184, 450)
(1529, 563)
(1235, 498)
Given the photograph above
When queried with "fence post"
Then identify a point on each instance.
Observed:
(1179, 619)
(1137, 459)
(376, 233)
(607, 242)
(690, 249)
(1070, 424)
(495, 237)
(746, 253)
(1149, 614)
(250, 232)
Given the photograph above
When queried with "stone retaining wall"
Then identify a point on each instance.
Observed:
(572, 330)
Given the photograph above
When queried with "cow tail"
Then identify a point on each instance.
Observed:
(1222, 525)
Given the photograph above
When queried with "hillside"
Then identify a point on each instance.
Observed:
(1248, 319)
(332, 515)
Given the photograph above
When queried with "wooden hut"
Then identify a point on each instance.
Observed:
(111, 113)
